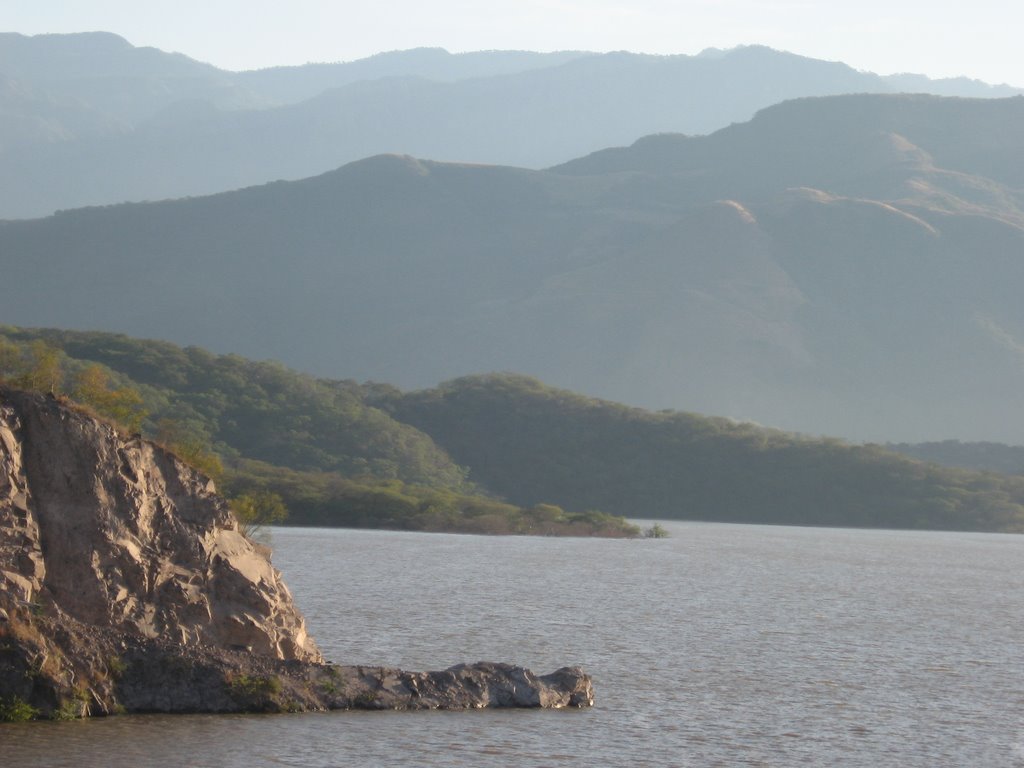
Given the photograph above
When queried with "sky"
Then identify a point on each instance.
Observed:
(939, 38)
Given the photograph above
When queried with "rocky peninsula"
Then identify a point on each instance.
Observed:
(126, 586)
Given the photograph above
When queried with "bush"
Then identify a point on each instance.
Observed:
(253, 686)
(16, 710)
(255, 510)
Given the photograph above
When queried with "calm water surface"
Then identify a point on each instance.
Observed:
(723, 645)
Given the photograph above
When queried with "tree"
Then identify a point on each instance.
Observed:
(10, 359)
(255, 510)
(41, 370)
(190, 448)
(123, 404)
(655, 532)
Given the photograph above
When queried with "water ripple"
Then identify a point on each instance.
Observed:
(723, 645)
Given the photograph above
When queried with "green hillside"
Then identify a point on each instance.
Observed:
(528, 441)
(260, 410)
(497, 453)
(334, 459)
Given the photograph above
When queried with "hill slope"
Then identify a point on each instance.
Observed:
(372, 456)
(528, 441)
(845, 265)
(334, 459)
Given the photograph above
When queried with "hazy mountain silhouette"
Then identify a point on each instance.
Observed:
(288, 85)
(106, 73)
(141, 124)
(844, 265)
(985, 457)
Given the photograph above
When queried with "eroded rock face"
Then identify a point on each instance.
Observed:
(125, 585)
(118, 532)
(21, 557)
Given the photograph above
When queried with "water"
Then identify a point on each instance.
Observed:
(724, 645)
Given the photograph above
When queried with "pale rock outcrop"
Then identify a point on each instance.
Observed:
(125, 585)
(120, 533)
(21, 558)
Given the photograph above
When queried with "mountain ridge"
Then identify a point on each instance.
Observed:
(165, 126)
(763, 281)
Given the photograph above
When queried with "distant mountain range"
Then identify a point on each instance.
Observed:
(88, 119)
(847, 265)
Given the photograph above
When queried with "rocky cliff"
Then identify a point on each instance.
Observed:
(125, 585)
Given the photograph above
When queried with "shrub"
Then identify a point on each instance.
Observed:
(655, 532)
(17, 710)
(252, 686)
(255, 510)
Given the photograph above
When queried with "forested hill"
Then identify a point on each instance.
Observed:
(369, 455)
(261, 428)
(256, 410)
(527, 441)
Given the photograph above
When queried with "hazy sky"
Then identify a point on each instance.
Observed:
(941, 38)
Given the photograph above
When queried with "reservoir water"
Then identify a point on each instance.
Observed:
(723, 645)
